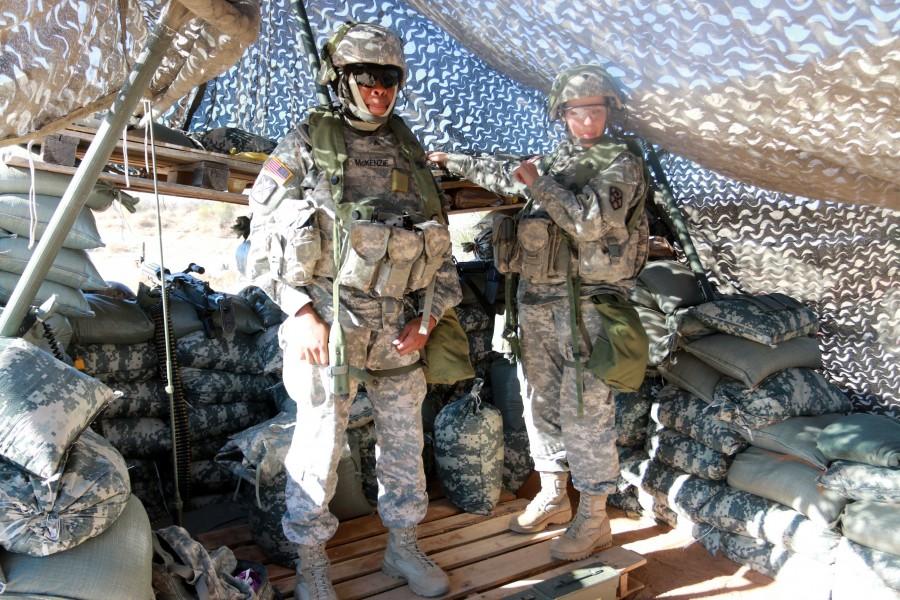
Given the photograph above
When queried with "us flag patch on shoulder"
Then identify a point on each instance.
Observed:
(277, 170)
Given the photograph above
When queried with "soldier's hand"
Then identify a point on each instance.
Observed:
(526, 172)
(410, 340)
(309, 336)
(438, 158)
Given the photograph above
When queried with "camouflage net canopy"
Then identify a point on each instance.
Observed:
(65, 59)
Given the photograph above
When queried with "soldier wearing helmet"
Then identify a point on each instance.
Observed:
(581, 239)
(349, 236)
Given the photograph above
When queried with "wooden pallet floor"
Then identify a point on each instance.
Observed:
(482, 558)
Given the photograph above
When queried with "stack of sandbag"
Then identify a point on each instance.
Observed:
(256, 457)
(62, 485)
(24, 217)
(865, 472)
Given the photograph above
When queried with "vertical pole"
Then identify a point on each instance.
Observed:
(312, 55)
(94, 160)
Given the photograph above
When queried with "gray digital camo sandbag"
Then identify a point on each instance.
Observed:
(44, 406)
(118, 362)
(858, 481)
(71, 268)
(685, 494)
(685, 454)
(768, 319)
(220, 387)
(138, 399)
(681, 411)
(39, 518)
(233, 351)
(468, 438)
(632, 410)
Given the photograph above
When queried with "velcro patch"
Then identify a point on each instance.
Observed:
(277, 170)
(616, 198)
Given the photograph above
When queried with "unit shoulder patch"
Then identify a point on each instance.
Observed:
(616, 198)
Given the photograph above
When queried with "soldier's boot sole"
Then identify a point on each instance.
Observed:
(392, 571)
(558, 517)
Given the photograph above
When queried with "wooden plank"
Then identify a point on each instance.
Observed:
(233, 537)
(378, 542)
(457, 211)
(620, 558)
(140, 184)
(363, 527)
(479, 551)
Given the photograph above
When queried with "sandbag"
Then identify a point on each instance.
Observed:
(795, 436)
(660, 339)
(864, 438)
(114, 564)
(753, 516)
(361, 411)
(632, 410)
(691, 374)
(115, 321)
(468, 438)
(685, 454)
(227, 351)
(70, 302)
(480, 346)
(667, 286)
(40, 517)
(147, 485)
(118, 362)
(71, 268)
(507, 397)
(787, 480)
(472, 318)
(209, 477)
(685, 494)
(138, 399)
(15, 217)
(18, 181)
(685, 413)
(789, 393)
(859, 481)
(873, 524)
(627, 502)
(44, 406)
(751, 362)
(860, 562)
(220, 387)
(768, 319)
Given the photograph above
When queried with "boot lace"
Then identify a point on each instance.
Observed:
(581, 517)
(409, 542)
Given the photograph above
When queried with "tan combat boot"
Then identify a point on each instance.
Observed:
(550, 507)
(405, 560)
(313, 582)
(589, 531)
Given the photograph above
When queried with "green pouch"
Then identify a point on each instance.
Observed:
(619, 358)
(447, 352)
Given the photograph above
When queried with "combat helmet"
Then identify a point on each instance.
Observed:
(360, 44)
(581, 82)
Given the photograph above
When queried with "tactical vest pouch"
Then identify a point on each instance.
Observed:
(404, 247)
(538, 251)
(368, 245)
(503, 240)
(436, 242)
(610, 259)
(302, 250)
(620, 354)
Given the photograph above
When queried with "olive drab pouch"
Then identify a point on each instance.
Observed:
(446, 354)
(368, 246)
(437, 244)
(503, 240)
(404, 247)
(619, 356)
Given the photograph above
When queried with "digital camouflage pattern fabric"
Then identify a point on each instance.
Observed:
(468, 439)
(40, 517)
(473, 318)
(688, 455)
(858, 481)
(223, 387)
(769, 319)
(44, 405)
(685, 494)
(632, 409)
(859, 561)
(790, 393)
(753, 516)
(227, 351)
(681, 411)
(112, 362)
(138, 399)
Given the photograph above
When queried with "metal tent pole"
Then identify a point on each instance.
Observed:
(312, 55)
(94, 160)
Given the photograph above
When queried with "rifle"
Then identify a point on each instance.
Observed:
(195, 292)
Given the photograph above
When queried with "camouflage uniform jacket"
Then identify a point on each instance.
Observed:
(577, 212)
(293, 185)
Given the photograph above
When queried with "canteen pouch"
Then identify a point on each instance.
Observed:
(503, 240)
(620, 355)
(368, 245)
(404, 247)
(436, 243)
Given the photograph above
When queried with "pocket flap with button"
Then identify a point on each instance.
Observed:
(533, 234)
(436, 237)
(404, 246)
(369, 240)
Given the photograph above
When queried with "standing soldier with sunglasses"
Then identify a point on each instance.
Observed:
(581, 240)
(349, 237)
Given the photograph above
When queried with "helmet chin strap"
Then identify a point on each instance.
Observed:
(360, 117)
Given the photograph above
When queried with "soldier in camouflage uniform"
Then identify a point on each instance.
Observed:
(296, 200)
(589, 187)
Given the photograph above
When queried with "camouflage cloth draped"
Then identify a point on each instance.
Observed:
(40, 517)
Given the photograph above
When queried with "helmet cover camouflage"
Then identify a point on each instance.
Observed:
(582, 81)
(361, 43)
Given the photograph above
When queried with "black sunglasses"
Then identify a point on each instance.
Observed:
(371, 75)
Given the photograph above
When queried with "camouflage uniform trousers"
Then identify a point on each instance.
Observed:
(320, 435)
(560, 439)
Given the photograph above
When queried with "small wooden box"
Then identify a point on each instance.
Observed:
(202, 173)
